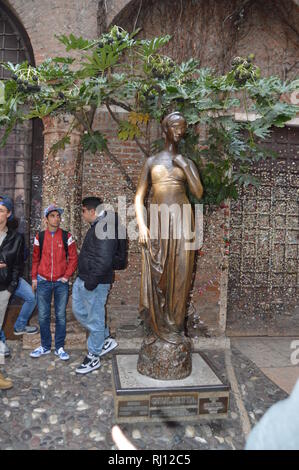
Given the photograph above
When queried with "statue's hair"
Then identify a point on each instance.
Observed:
(171, 118)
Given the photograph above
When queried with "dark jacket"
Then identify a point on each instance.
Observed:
(96, 258)
(12, 254)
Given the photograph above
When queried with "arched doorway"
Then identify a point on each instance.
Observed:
(20, 159)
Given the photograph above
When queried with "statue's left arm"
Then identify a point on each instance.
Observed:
(192, 175)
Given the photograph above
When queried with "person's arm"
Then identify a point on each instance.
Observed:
(192, 175)
(35, 261)
(72, 261)
(18, 266)
(139, 202)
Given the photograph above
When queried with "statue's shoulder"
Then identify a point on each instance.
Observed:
(190, 162)
(152, 160)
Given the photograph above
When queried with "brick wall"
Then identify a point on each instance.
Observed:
(101, 177)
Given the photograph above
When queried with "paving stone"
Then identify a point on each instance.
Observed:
(96, 436)
(26, 435)
(200, 439)
(190, 431)
(53, 419)
(136, 434)
(14, 404)
(81, 406)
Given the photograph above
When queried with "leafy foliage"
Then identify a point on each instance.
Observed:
(94, 142)
(117, 68)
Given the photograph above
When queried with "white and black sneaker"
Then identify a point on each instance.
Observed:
(90, 363)
(108, 346)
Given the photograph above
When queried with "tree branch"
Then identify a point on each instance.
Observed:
(87, 124)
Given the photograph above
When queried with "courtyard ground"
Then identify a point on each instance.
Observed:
(50, 407)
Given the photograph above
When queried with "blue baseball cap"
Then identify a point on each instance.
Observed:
(8, 203)
(52, 208)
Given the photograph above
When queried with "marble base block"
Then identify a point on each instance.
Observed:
(140, 398)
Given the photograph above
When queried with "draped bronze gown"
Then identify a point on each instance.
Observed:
(166, 264)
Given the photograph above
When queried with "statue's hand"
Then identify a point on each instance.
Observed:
(143, 235)
(180, 161)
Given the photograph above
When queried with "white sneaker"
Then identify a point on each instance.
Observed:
(40, 351)
(108, 346)
(62, 354)
(91, 362)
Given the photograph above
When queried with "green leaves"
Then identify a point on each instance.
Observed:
(100, 61)
(74, 43)
(128, 130)
(42, 111)
(94, 142)
(151, 46)
(60, 145)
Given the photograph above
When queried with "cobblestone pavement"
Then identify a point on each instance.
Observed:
(50, 407)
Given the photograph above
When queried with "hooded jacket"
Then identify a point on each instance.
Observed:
(12, 254)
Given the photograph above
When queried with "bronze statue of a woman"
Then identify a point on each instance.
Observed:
(167, 264)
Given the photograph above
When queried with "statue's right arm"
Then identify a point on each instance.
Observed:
(139, 201)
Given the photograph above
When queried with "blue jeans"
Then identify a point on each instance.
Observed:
(24, 292)
(2, 336)
(45, 289)
(89, 310)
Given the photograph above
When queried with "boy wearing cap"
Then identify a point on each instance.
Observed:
(54, 261)
(11, 264)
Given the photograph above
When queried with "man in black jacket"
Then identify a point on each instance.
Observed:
(91, 288)
(11, 264)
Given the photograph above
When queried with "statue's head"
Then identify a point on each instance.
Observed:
(174, 126)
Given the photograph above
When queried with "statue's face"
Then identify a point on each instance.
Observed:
(176, 129)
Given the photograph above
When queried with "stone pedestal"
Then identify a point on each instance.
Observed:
(139, 398)
(165, 361)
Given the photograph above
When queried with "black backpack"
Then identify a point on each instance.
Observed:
(41, 236)
(120, 259)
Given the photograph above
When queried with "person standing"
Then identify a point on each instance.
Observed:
(91, 288)
(54, 261)
(11, 265)
(24, 292)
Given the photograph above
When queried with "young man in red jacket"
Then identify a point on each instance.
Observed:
(54, 260)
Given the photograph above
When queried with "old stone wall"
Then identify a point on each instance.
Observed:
(43, 19)
(215, 32)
